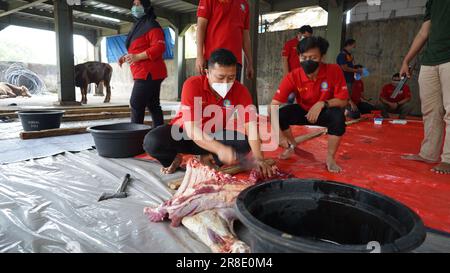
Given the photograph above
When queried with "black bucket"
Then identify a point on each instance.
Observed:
(294, 215)
(119, 140)
(37, 120)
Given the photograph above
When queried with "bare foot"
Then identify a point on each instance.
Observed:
(443, 168)
(287, 153)
(284, 142)
(333, 167)
(174, 166)
(417, 158)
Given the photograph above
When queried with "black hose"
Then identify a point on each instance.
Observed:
(18, 75)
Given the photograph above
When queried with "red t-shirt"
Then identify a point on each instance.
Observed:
(388, 89)
(330, 83)
(227, 20)
(290, 51)
(357, 91)
(198, 87)
(154, 44)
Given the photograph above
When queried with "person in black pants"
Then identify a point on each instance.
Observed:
(146, 94)
(146, 46)
(322, 94)
(162, 146)
(190, 131)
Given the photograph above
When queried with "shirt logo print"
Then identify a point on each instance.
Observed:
(324, 87)
(227, 103)
(243, 7)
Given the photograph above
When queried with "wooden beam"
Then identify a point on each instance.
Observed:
(53, 133)
(78, 21)
(63, 131)
(286, 5)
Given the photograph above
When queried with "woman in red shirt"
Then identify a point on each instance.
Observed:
(146, 46)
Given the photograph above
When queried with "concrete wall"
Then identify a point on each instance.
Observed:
(270, 71)
(381, 47)
(387, 10)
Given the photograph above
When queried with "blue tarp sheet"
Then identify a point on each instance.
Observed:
(115, 46)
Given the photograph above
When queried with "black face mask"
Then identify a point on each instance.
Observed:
(310, 66)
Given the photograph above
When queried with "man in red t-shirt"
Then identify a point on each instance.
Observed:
(204, 127)
(224, 24)
(358, 104)
(399, 104)
(321, 96)
(289, 53)
(290, 56)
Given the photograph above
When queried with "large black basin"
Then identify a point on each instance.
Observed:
(119, 140)
(321, 216)
(37, 120)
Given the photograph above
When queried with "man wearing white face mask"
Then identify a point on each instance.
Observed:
(217, 144)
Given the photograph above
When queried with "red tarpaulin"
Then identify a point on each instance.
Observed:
(370, 156)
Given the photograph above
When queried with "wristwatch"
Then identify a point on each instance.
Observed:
(326, 105)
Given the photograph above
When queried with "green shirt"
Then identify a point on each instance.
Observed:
(438, 47)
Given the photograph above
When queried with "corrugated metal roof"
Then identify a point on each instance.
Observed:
(111, 9)
(176, 6)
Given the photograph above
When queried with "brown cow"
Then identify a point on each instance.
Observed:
(93, 72)
(11, 91)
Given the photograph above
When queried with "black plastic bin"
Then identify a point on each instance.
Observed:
(322, 216)
(37, 120)
(119, 140)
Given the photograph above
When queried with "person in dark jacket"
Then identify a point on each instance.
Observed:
(146, 46)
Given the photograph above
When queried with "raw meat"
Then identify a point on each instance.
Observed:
(213, 229)
(204, 204)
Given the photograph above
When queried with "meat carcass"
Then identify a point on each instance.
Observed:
(204, 204)
(215, 230)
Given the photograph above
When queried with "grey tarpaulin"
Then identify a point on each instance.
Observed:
(50, 205)
(14, 149)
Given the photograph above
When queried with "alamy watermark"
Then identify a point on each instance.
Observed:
(73, 2)
(221, 123)
(374, 246)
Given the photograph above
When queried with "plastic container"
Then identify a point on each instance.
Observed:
(378, 121)
(321, 216)
(364, 74)
(37, 120)
(399, 121)
(119, 140)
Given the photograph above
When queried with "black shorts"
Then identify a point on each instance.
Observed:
(160, 144)
(332, 118)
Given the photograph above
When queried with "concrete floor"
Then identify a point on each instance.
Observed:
(434, 242)
(51, 100)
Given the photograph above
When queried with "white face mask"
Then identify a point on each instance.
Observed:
(222, 88)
